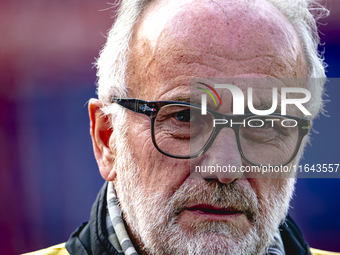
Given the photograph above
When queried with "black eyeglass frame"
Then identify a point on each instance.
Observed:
(151, 108)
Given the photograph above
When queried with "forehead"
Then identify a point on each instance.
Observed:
(174, 41)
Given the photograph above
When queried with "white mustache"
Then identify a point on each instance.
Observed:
(214, 194)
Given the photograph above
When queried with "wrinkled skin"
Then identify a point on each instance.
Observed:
(178, 40)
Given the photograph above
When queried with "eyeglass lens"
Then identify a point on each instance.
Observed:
(182, 130)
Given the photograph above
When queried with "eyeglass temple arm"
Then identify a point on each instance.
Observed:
(135, 105)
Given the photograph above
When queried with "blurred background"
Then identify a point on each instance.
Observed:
(48, 174)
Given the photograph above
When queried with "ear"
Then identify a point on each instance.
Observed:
(101, 133)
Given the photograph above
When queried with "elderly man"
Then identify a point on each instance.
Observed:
(147, 142)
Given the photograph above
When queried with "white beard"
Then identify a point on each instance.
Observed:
(153, 218)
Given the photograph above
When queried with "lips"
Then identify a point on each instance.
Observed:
(209, 209)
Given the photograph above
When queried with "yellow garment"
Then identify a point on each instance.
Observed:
(320, 252)
(58, 249)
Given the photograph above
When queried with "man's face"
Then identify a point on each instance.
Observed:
(168, 212)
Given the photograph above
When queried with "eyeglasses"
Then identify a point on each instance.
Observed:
(179, 130)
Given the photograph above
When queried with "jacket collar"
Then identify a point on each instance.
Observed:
(91, 238)
(292, 238)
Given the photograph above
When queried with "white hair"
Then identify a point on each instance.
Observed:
(303, 15)
(113, 60)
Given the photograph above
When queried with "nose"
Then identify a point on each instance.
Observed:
(223, 160)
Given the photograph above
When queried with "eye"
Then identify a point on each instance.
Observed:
(259, 124)
(183, 116)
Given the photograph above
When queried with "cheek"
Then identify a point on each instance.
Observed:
(266, 188)
(157, 172)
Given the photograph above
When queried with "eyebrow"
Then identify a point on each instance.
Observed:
(186, 98)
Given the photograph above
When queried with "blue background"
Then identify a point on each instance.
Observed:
(49, 177)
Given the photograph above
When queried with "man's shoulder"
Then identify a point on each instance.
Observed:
(53, 250)
(320, 252)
